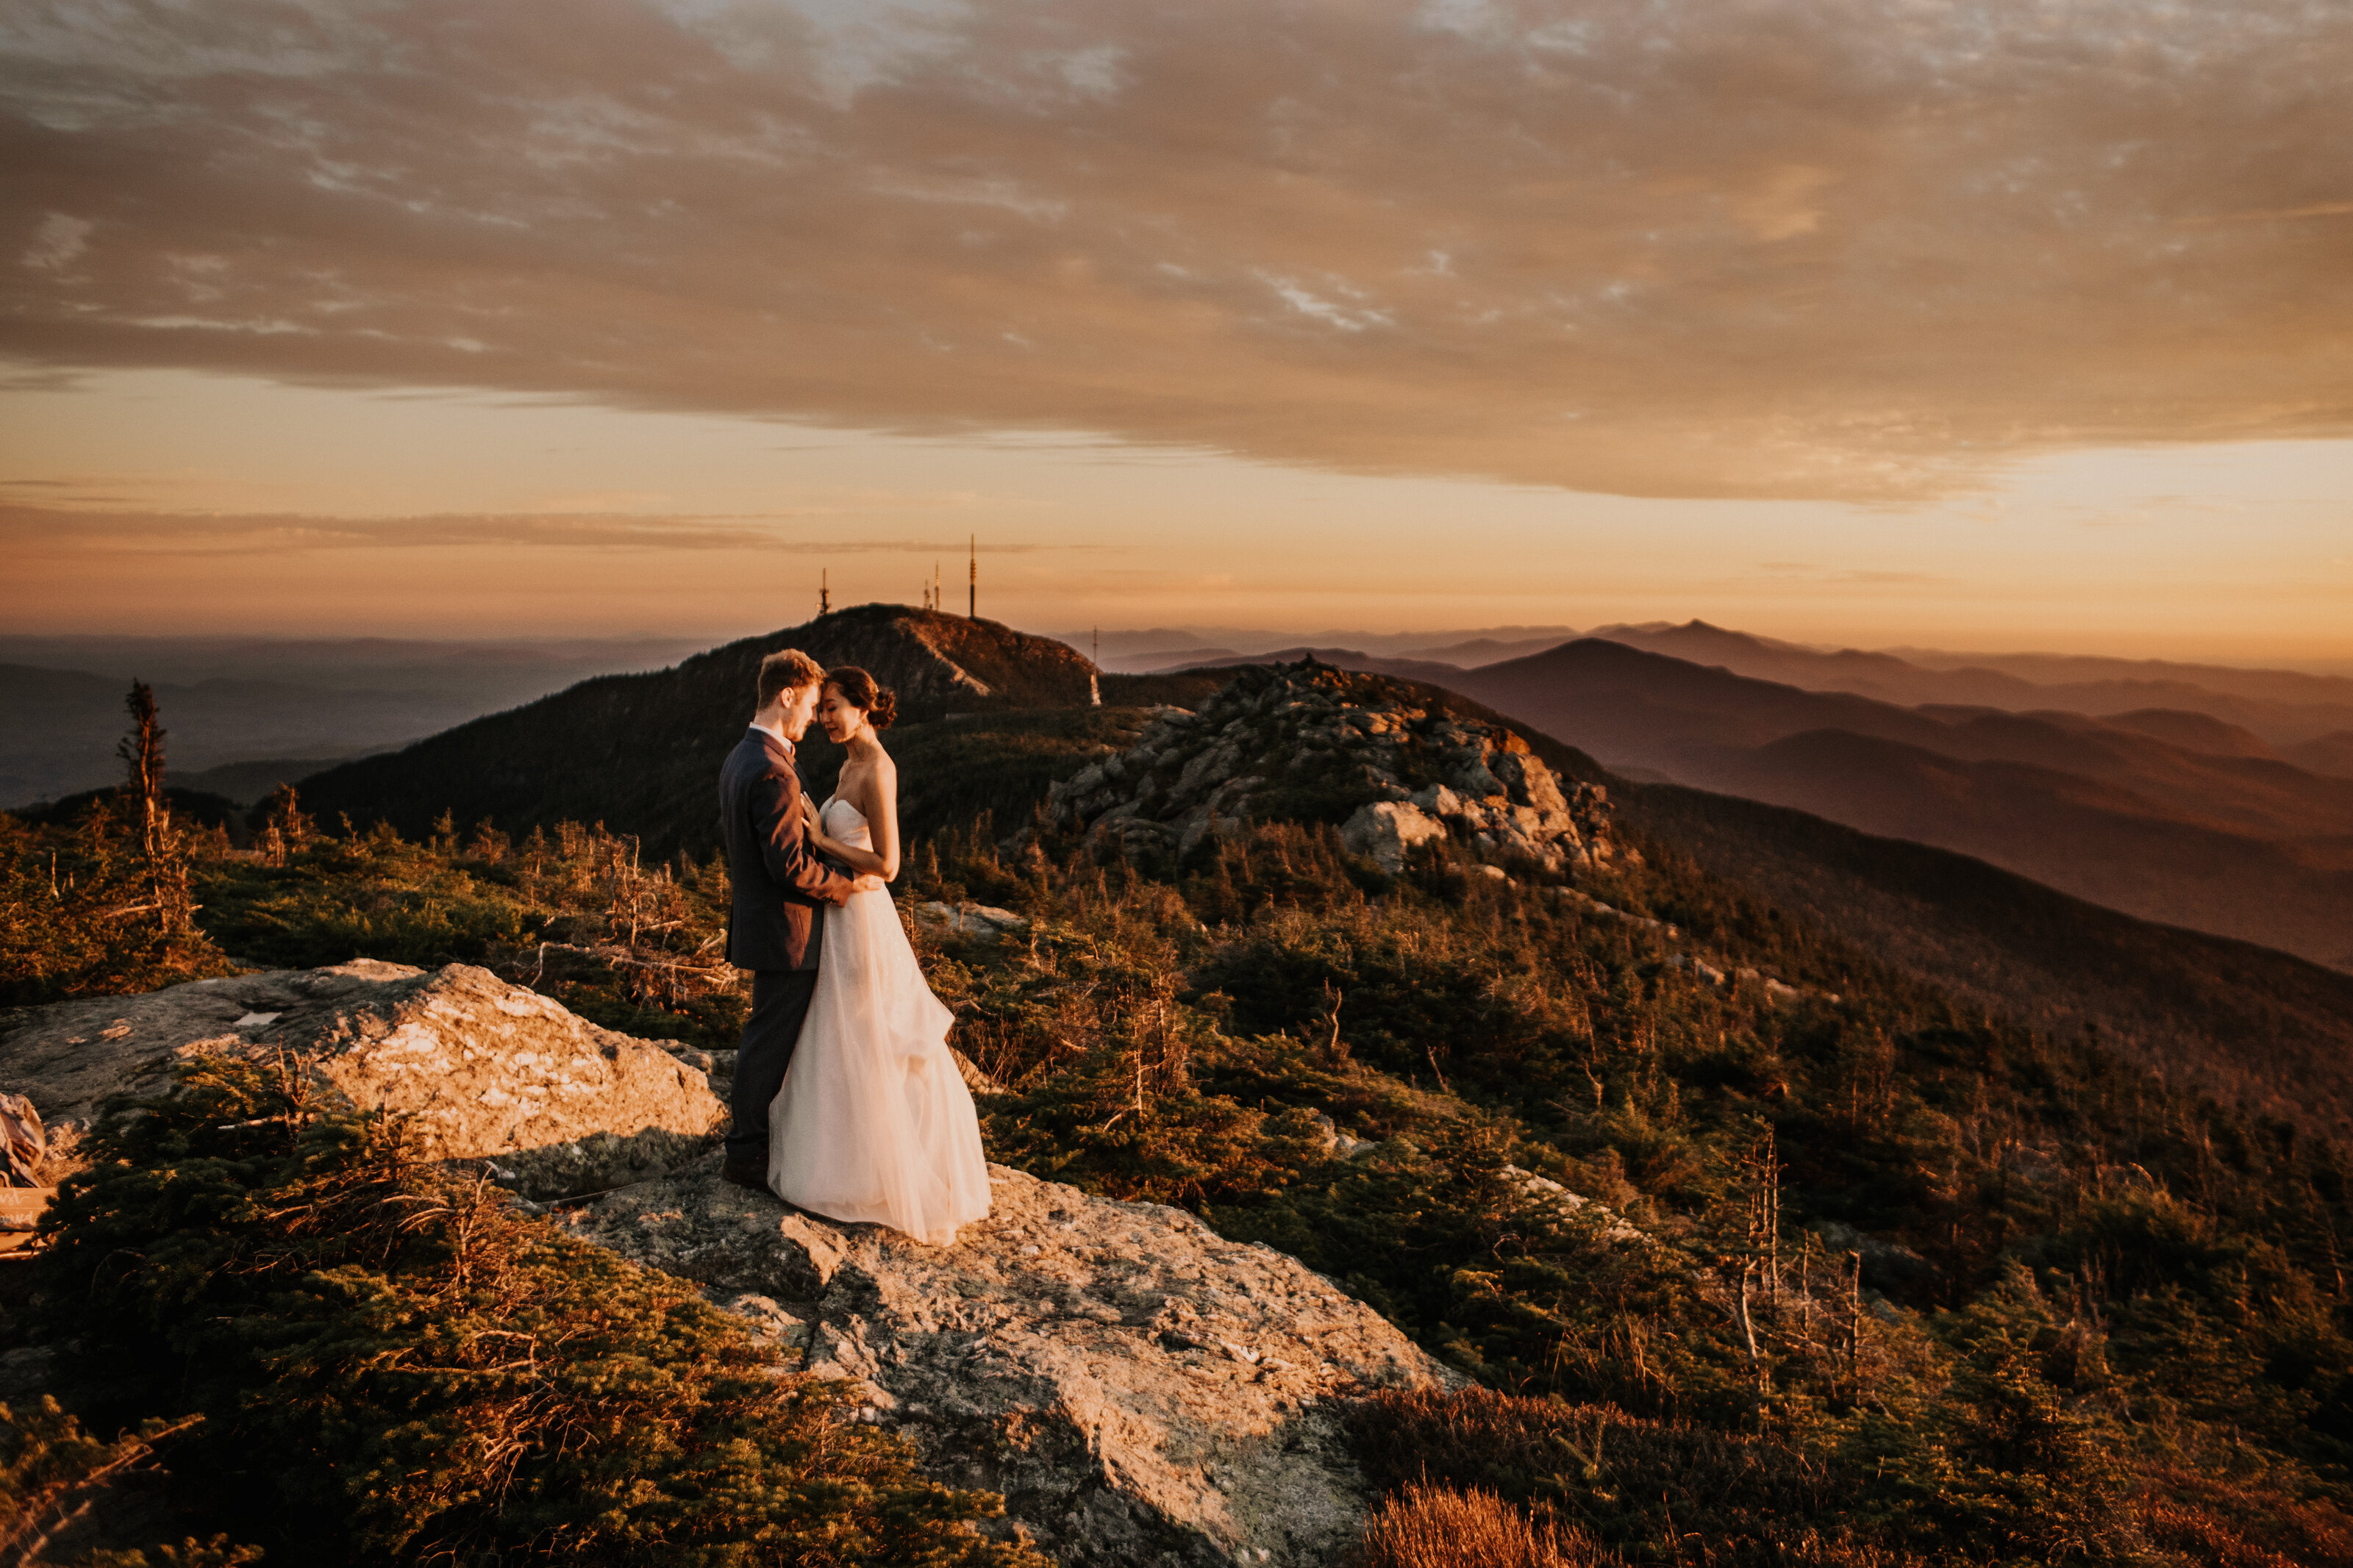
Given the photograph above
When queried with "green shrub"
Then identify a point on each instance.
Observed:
(54, 1476)
(75, 913)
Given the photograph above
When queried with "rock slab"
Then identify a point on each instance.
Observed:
(1141, 1390)
(486, 1069)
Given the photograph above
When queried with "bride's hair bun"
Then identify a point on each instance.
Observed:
(858, 689)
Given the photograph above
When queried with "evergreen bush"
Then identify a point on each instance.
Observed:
(393, 1366)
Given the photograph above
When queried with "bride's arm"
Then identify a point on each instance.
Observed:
(885, 788)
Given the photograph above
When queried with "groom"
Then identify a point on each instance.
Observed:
(775, 926)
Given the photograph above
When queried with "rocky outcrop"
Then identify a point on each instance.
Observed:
(975, 922)
(1141, 1390)
(1394, 764)
(1389, 830)
(486, 1069)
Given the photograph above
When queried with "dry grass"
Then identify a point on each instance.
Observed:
(1437, 1527)
(2207, 1520)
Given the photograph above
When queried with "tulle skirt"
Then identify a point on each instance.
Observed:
(874, 1123)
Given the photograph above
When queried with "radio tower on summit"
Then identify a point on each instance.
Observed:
(971, 584)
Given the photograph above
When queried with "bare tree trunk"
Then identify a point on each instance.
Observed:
(143, 749)
(1748, 1333)
(1854, 1323)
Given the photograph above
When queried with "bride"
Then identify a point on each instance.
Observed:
(874, 1123)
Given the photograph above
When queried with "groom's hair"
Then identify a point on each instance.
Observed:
(787, 670)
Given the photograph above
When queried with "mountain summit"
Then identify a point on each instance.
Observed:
(639, 752)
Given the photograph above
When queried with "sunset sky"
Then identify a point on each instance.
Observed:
(1985, 325)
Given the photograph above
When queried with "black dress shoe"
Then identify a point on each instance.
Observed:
(747, 1172)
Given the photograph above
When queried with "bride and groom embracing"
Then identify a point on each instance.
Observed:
(847, 1102)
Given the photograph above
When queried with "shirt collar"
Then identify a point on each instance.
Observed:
(775, 734)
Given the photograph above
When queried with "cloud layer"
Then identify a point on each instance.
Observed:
(90, 530)
(1705, 247)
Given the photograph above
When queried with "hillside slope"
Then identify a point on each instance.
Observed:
(2093, 840)
(2241, 847)
(641, 753)
(2237, 1021)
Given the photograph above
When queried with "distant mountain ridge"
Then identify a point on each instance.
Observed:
(2295, 717)
(61, 726)
(285, 706)
(2243, 846)
(2286, 707)
(1148, 653)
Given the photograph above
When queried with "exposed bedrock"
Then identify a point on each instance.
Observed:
(487, 1069)
(1141, 1390)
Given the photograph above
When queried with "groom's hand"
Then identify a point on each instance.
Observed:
(869, 883)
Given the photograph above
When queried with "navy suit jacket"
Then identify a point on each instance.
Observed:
(779, 881)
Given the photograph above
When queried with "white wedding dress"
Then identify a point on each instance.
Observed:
(874, 1123)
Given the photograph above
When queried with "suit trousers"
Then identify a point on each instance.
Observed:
(780, 1005)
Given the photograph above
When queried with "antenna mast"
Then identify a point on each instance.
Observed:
(972, 592)
(824, 593)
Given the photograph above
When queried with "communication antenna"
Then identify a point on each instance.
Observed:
(824, 593)
(972, 590)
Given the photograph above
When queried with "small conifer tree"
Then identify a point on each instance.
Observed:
(284, 827)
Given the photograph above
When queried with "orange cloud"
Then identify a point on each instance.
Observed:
(1718, 248)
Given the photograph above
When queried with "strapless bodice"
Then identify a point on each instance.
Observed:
(846, 823)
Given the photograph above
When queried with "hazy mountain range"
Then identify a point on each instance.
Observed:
(245, 712)
(2211, 797)
(1157, 649)
(2287, 707)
